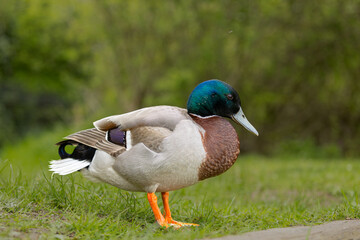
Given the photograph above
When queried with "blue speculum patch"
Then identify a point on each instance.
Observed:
(117, 136)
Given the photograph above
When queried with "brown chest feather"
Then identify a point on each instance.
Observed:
(221, 143)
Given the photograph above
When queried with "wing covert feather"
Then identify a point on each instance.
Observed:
(159, 116)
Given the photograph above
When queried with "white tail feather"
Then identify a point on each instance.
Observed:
(67, 165)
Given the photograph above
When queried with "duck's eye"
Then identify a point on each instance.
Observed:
(230, 97)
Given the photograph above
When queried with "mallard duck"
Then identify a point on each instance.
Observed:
(160, 148)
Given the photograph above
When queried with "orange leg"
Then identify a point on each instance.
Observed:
(158, 216)
(168, 218)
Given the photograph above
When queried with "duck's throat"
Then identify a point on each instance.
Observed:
(221, 144)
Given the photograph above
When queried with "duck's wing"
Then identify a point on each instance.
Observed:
(159, 116)
(96, 139)
(148, 126)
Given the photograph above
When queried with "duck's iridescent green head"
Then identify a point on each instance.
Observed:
(214, 97)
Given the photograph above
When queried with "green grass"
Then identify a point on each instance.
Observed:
(256, 193)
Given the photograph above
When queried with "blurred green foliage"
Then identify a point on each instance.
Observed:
(296, 64)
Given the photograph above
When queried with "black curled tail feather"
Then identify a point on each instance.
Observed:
(81, 151)
(63, 154)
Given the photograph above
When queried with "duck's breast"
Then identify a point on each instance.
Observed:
(221, 144)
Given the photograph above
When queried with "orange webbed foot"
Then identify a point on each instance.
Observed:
(158, 216)
(167, 220)
(177, 224)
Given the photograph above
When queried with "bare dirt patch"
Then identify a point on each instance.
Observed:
(344, 230)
